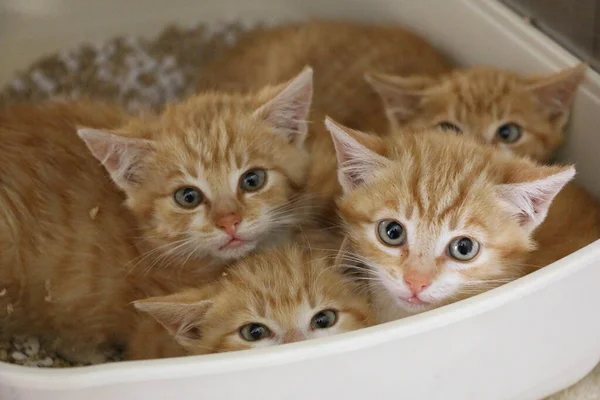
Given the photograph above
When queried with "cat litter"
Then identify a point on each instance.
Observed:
(31, 352)
(27, 351)
(135, 73)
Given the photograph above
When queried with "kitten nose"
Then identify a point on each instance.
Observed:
(229, 223)
(417, 283)
(293, 336)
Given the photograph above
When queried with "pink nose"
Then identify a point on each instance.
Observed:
(229, 223)
(417, 283)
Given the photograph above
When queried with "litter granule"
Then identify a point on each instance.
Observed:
(135, 73)
(31, 352)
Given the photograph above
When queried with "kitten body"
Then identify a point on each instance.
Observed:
(437, 218)
(281, 291)
(207, 181)
(572, 223)
(339, 52)
(62, 228)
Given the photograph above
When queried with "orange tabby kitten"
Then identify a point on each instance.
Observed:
(518, 114)
(207, 181)
(279, 296)
(340, 53)
(438, 217)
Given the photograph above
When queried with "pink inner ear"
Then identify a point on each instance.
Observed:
(356, 163)
(557, 92)
(288, 111)
(120, 155)
(531, 200)
(113, 161)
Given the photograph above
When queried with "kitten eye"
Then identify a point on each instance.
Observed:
(323, 319)
(254, 332)
(509, 133)
(463, 248)
(391, 232)
(188, 197)
(447, 126)
(253, 180)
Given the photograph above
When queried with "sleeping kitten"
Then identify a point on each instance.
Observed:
(519, 114)
(279, 296)
(207, 181)
(340, 53)
(438, 217)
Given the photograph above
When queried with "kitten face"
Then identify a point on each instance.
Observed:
(437, 217)
(520, 115)
(217, 175)
(276, 297)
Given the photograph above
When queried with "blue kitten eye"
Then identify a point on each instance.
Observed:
(391, 232)
(188, 197)
(254, 332)
(323, 319)
(509, 133)
(253, 180)
(448, 126)
(463, 248)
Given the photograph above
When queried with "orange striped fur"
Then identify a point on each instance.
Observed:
(340, 53)
(439, 187)
(282, 289)
(77, 248)
(480, 101)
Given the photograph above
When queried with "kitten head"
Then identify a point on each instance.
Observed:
(440, 217)
(216, 175)
(278, 296)
(522, 115)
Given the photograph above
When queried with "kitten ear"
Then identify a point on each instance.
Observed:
(357, 155)
(120, 156)
(288, 111)
(181, 314)
(557, 92)
(401, 96)
(530, 201)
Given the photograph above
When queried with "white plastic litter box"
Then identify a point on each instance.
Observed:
(522, 341)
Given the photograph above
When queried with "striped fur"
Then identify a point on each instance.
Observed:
(480, 100)
(340, 52)
(440, 187)
(281, 289)
(77, 249)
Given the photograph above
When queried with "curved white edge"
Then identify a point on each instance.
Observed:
(542, 47)
(505, 22)
(132, 371)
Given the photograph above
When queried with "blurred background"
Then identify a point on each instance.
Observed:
(31, 28)
(573, 23)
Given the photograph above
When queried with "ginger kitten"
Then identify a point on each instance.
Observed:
(279, 296)
(519, 114)
(177, 197)
(436, 217)
(340, 53)
(218, 175)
